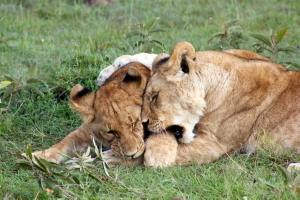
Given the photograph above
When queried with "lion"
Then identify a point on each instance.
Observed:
(218, 103)
(112, 115)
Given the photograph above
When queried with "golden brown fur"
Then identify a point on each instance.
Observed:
(112, 115)
(224, 101)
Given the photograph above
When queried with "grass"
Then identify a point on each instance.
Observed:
(56, 36)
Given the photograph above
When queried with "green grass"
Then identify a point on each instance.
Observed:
(56, 36)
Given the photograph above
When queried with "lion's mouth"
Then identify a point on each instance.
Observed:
(176, 130)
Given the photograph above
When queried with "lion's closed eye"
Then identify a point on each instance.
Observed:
(154, 97)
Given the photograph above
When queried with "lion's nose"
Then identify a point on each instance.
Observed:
(145, 123)
(146, 131)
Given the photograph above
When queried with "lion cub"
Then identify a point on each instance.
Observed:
(112, 115)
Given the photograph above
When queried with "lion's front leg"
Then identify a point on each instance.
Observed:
(76, 142)
(161, 150)
(203, 149)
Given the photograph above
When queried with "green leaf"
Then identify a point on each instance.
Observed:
(33, 89)
(231, 22)
(29, 152)
(32, 71)
(7, 92)
(280, 33)
(156, 41)
(296, 65)
(214, 36)
(24, 163)
(134, 33)
(239, 40)
(262, 38)
(20, 156)
(284, 173)
(39, 167)
(150, 23)
(157, 30)
(93, 176)
(76, 179)
(59, 167)
(220, 46)
(40, 181)
(9, 78)
(33, 80)
(4, 84)
(46, 163)
(40, 163)
(288, 49)
(3, 105)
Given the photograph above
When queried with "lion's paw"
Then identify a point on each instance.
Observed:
(161, 150)
(50, 155)
(112, 160)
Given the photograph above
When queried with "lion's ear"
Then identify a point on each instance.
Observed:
(160, 60)
(133, 80)
(82, 100)
(182, 58)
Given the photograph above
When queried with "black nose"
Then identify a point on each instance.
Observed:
(176, 130)
(145, 124)
(146, 132)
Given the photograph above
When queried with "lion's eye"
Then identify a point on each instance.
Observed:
(154, 97)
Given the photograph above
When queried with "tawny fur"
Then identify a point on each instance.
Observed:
(216, 134)
(236, 96)
(161, 150)
(112, 115)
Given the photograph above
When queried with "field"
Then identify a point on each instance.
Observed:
(47, 47)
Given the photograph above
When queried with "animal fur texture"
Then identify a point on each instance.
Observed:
(143, 58)
(223, 101)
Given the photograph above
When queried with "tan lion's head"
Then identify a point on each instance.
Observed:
(113, 113)
(173, 98)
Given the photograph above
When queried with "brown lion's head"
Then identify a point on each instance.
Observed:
(113, 113)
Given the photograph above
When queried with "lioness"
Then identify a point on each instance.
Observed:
(112, 115)
(221, 102)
